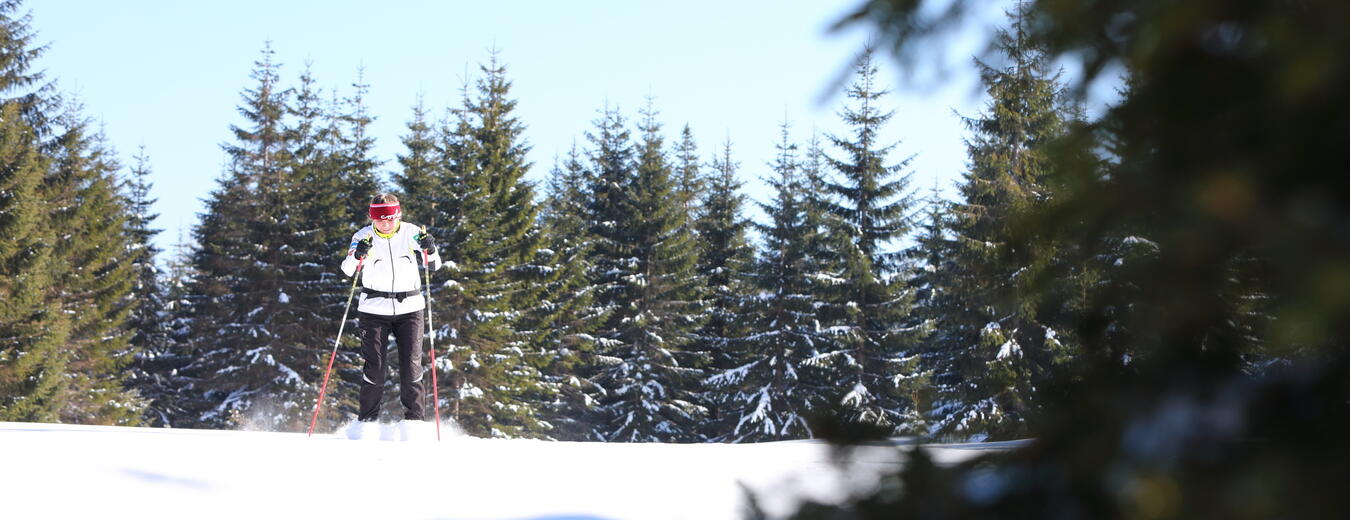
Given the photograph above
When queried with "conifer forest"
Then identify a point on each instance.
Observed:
(1122, 288)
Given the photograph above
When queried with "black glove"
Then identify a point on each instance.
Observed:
(425, 241)
(362, 249)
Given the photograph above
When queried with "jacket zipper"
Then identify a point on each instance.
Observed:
(393, 274)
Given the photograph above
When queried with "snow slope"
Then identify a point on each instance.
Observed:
(102, 472)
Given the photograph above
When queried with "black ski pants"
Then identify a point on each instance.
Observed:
(407, 331)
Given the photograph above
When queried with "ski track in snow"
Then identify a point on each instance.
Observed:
(105, 472)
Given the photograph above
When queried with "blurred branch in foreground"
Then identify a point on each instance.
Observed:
(1214, 379)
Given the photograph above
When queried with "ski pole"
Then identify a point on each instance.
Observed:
(431, 335)
(356, 276)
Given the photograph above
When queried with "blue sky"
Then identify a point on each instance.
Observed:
(167, 75)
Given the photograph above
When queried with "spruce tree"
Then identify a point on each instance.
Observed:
(876, 372)
(725, 255)
(151, 373)
(1001, 333)
(89, 215)
(653, 380)
(179, 372)
(564, 324)
(354, 150)
(421, 174)
(767, 392)
(255, 379)
(486, 226)
(33, 330)
(20, 81)
(319, 219)
(64, 286)
(932, 259)
(690, 185)
(1219, 171)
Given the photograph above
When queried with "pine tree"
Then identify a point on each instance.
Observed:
(486, 226)
(931, 258)
(766, 392)
(421, 172)
(319, 221)
(725, 255)
(89, 217)
(651, 381)
(152, 371)
(63, 285)
(354, 149)
(876, 371)
(690, 186)
(179, 371)
(254, 378)
(18, 76)
(33, 330)
(568, 317)
(1003, 338)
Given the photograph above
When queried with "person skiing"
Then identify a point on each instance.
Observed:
(391, 302)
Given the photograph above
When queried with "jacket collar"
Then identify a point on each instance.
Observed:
(390, 235)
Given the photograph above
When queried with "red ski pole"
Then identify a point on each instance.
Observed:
(431, 334)
(356, 276)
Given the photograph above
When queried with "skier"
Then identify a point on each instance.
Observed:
(391, 302)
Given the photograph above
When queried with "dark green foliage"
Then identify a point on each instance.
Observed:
(353, 150)
(20, 80)
(1002, 337)
(264, 295)
(419, 179)
(1228, 156)
(724, 262)
(768, 390)
(240, 270)
(934, 267)
(88, 217)
(65, 284)
(565, 322)
(645, 268)
(33, 329)
(177, 372)
(690, 184)
(486, 222)
(874, 372)
(320, 221)
(725, 253)
(152, 373)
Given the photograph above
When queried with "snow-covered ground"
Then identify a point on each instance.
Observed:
(101, 472)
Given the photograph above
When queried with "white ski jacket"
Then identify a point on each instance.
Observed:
(392, 266)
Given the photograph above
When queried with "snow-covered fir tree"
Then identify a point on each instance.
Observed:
(565, 322)
(725, 257)
(419, 179)
(645, 259)
(179, 370)
(487, 224)
(352, 146)
(767, 392)
(876, 371)
(255, 366)
(932, 261)
(319, 223)
(151, 374)
(1001, 334)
